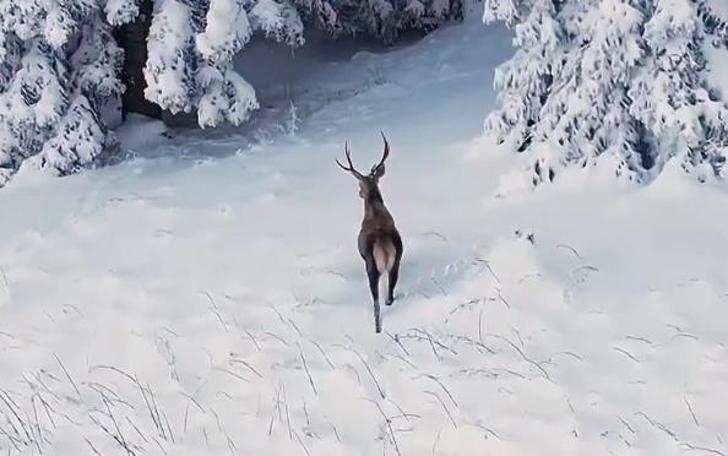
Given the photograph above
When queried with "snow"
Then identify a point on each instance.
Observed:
(719, 7)
(182, 303)
(717, 74)
(226, 32)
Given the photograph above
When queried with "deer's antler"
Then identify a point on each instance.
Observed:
(385, 154)
(350, 168)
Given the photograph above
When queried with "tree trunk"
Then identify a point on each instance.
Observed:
(132, 38)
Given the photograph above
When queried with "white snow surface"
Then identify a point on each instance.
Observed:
(719, 6)
(185, 305)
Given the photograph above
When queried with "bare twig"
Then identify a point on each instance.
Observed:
(502, 299)
(369, 370)
(435, 234)
(119, 441)
(277, 407)
(447, 411)
(640, 339)
(487, 265)
(249, 366)
(37, 426)
(396, 340)
(523, 355)
(229, 372)
(47, 409)
(658, 425)
(626, 353)
(231, 445)
(336, 432)
(323, 353)
(570, 248)
(169, 428)
(404, 414)
(68, 376)
(434, 444)
(136, 428)
(487, 431)
(421, 334)
(150, 409)
(480, 324)
(298, 438)
(690, 408)
(442, 385)
(464, 305)
(571, 354)
(691, 447)
(478, 344)
(295, 326)
(308, 373)
(153, 401)
(93, 448)
(122, 441)
(255, 342)
(356, 372)
(277, 337)
(114, 369)
(388, 424)
(491, 373)
(288, 415)
(627, 425)
(216, 310)
(10, 404)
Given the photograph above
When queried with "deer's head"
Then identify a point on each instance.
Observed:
(368, 183)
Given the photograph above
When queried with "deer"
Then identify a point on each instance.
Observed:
(379, 242)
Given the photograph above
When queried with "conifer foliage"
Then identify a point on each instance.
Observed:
(620, 83)
(60, 67)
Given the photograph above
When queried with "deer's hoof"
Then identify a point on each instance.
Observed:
(389, 302)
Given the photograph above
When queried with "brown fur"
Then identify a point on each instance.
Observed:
(380, 244)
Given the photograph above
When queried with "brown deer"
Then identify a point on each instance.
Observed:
(379, 243)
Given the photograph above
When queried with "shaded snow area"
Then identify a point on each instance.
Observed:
(185, 305)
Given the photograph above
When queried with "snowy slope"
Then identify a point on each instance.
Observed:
(187, 305)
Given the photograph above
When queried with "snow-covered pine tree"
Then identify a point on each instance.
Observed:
(381, 19)
(616, 82)
(191, 46)
(59, 65)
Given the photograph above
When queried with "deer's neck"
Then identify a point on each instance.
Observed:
(374, 197)
(375, 212)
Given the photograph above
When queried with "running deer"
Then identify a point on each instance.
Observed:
(379, 243)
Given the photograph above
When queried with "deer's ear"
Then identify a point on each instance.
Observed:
(378, 172)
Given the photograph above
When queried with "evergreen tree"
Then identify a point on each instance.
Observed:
(615, 82)
(58, 67)
(61, 69)
(382, 19)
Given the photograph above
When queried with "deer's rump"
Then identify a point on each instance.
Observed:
(380, 248)
(384, 253)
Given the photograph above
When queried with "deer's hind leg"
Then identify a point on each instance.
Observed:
(365, 245)
(394, 272)
(373, 274)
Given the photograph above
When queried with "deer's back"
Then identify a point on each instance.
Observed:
(378, 236)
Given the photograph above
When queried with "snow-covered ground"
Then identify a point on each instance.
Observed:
(180, 304)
